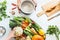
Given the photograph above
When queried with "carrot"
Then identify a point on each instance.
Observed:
(37, 37)
(24, 24)
(23, 27)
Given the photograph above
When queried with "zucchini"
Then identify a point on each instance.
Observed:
(18, 23)
(18, 19)
(26, 32)
(36, 27)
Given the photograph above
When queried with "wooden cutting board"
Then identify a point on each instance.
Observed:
(53, 11)
(50, 8)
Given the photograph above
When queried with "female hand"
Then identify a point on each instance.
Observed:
(11, 34)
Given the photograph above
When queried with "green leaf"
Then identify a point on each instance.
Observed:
(0, 19)
(3, 10)
(12, 24)
(53, 29)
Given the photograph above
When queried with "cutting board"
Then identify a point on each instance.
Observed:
(50, 8)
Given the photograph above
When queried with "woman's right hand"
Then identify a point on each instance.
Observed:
(11, 34)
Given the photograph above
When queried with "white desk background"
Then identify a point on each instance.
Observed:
(42, 21)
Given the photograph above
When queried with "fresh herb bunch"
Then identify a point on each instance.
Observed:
(53, 30)
(3, 10)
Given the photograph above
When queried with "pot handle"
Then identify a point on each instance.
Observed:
(34, 2)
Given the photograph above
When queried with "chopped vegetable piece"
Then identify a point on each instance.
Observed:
(13, 13)
(14, 4)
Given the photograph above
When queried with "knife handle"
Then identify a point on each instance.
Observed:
(40, 13)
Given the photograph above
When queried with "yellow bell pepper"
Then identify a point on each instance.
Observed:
(41, 32)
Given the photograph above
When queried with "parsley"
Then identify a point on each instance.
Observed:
(3, 10)
(53, 30)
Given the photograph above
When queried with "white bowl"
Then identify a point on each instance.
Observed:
(27, 7)
(2, 31)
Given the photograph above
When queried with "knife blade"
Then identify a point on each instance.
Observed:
(54, 17)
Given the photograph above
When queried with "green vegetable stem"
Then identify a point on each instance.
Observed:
(53, 30)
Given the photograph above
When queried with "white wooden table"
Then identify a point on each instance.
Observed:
(42, 21)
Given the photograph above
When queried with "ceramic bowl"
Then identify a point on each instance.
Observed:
(27, 7)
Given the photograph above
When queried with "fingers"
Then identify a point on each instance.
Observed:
(18, 3)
